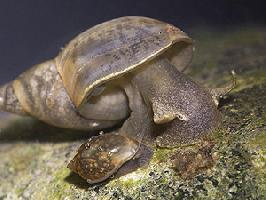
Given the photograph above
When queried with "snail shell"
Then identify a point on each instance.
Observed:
(114, 48)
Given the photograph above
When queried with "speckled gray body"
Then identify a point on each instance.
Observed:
(124, 70)
(184, 109)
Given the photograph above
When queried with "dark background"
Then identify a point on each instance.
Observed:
(32, 31)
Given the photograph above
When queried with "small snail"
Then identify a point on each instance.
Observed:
(127, 70)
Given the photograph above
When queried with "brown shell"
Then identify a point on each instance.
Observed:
(111, 49)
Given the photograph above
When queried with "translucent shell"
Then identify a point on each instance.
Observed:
(98, 159)
(111, 49)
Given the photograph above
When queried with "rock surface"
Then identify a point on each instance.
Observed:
(230, 164)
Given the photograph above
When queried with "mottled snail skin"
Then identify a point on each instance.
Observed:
(184, 109)
(125, 71)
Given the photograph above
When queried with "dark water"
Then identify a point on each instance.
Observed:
(34, 30)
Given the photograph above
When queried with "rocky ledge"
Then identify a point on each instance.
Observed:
(229, 164)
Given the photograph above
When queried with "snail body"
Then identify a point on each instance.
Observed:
(127, 70)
